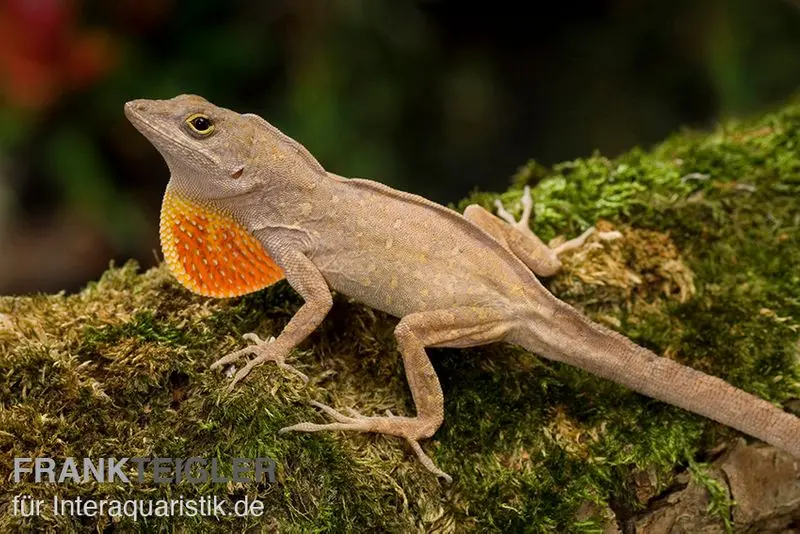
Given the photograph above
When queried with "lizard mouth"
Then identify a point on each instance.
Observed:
(133, 106)
(137, 112)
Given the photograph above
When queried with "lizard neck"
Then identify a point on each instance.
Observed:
(280, 203)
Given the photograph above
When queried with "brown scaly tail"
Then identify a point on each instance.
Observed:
(571, 337)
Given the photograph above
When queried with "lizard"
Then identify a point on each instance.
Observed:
(247, 206)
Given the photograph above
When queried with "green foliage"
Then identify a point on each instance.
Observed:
(720, 504)
(122, 367)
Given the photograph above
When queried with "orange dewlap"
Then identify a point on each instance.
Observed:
(210, 253)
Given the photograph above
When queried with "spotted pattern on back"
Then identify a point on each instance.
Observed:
(210, 253)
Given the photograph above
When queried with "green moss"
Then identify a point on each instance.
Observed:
(720, 503)
(121, 369)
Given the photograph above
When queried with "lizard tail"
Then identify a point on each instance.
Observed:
(570, 337)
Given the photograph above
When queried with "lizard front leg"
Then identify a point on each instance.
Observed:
(518, 237)
(306, 279)
(458, 327)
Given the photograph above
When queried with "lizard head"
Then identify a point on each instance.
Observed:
(207, 148)
(209, 151)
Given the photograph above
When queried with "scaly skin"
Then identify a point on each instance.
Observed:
(247, 206)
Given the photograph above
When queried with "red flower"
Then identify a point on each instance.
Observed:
(43, 53)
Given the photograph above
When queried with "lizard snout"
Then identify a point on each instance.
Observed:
(135, 108)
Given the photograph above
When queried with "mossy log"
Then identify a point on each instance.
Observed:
(706, 273)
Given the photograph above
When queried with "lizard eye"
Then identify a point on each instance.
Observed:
(200, 124)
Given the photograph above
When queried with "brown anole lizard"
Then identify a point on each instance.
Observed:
(247, 206)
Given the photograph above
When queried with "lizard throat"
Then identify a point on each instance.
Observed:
(210, 253)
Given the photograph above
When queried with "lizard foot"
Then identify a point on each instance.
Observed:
(264, 352)
(523, 224)
(412, 429)
(578, 242)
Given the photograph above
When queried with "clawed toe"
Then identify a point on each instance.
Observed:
(233, 356)
(238, 377)
(523, 223)
(353, 413)
(336, 414)
(409, 428)
(580, 241)
(252, 336)
(293, 369)
(427, 462)
(230, 358)
(609, 236)
(264, 352)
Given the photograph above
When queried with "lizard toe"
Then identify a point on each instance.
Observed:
(230, 358)
(252, 349)
(523, 224)
(412, 429)
(264, 351)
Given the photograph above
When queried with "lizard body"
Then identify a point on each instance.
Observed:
(247, 206)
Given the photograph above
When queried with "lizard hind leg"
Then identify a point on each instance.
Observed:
(523, 225)
(518, 237)
(458, 327)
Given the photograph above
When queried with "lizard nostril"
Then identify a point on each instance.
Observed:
(138, 106)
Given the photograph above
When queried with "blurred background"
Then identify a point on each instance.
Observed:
(435, 97)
